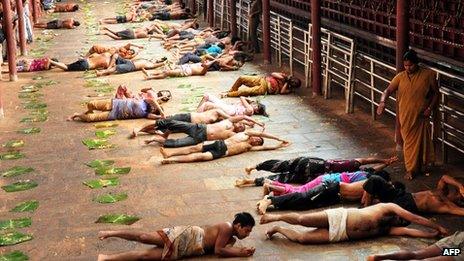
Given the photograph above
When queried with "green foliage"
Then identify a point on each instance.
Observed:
(15, 223)
(105, 125)
(104, 133)
(14, 256)
(13, 144)
(101, 183)
(16, 171)
(100, 163)
(31, 130)
(26, 206)
(20, 186)
(97, 144)
(12, 155)
(13, 238)
(112, 171)
(110, 198)
(118, 219)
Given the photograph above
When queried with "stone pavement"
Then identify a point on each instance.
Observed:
(64, 225)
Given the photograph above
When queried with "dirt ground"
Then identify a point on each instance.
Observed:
(63, 226)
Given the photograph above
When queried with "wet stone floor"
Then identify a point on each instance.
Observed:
(64, 224)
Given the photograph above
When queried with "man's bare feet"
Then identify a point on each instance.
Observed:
(98, 73)
(249, 170)
(262, 205)
(266, 189)
(133, 133)
(157, 139)
(268, 218)
(104, 234)
(73, 117)
(164, 153)
(144, 71)
(272, 231)
(240, 183)
(166, 161)
(102, 257)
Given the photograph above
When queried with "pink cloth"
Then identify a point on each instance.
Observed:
(292, 189)
(38, 65)
(231, 109)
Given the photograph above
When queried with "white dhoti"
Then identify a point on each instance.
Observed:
(337, 224)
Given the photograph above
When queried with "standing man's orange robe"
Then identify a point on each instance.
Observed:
(413, 97)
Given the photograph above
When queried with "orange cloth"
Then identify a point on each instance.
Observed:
(413, 99)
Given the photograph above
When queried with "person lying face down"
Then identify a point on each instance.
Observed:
(94, 61)
(302, 170)
(62, 8)
(69, 23)
(121, 65)
(186, 241)
(237, 144)
(197, 133)
(274, 83)
(243, 107)
(446, 198)
(346, 224)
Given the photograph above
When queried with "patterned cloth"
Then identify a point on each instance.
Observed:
(182, 241)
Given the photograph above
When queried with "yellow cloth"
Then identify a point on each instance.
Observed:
(255, 85)
(413, 99)
(182, 241)
(104, 106)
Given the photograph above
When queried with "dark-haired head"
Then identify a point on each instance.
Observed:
(243, 224)
(182, 5)
(294, 82)
(221, 45)
(187, 10)
(76, 23)
(381, 173)
(75, 7)
(235, 39)
(410, 61)
(260, 109)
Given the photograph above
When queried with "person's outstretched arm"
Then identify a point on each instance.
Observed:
(448, 180)
(246, 104)
(263, 135)
(392, 87)
(412, 232)
(270, 147)
(413, 218)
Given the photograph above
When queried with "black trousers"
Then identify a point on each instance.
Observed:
(196, 132)
(321, 196)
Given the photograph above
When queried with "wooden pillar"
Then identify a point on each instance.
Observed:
(10, 39)
(266, 31)
(316, 46)
(211, 12)
(35, 11)
(233, 17)
(22, 27)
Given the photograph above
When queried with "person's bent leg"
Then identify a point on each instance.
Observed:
(318, 236)
(149, 254)
(317, 219)
(182, 142)
(245, 80)
(62, 66)
(181, 151)
(100, 105)
(142, 237)
(248, 91)
(108, 71)
(94, 117)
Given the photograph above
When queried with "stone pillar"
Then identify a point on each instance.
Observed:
(266, 31)
(211, 12)
(316, 46)
(10, 39)
(22, 27)
(233, 17)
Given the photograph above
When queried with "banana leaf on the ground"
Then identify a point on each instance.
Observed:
(118, 219)
(16, 171)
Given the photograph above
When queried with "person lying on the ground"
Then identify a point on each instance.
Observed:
(136, 33)
(243, 107)
(302, 170)
(121, 65)
(432, 252)
(446, 198)
(279, 189)
(197, 133)
(124, 51)
(274, 83)
(163, 27)
(346, 224)
(146, 93)
(69, 23)
(186, 241)
(153, 6)
(64, 7)
(326, 194)
(120, 109)
(173, 15)
(30, 65)
(237, 144)
(94, 61)
(119, 19)
(185, 70)
(206, 117)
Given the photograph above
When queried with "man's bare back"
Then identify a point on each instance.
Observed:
(206, 117)
(99, 61)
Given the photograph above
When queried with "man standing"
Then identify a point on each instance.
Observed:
(417, 97)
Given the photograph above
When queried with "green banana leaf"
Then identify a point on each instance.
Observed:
(100, 163)
(26, 206)
(105, 89)
(35, 106)
(100, 183)
(110, 198)
(184, 86)
(111, 171)
(13, 238)
(13, 144)
(39, 113)
(31, 130)
(97, 144)
(95, 83)
(11, 155)
(35, 95)
(118, 219)
(38, 118)
(16, 171)
(89, 74)
(20, 186)
(15, 223)
(38, 77)
(104, 133)
(105, 125)
(45, 83)
(14, 256)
